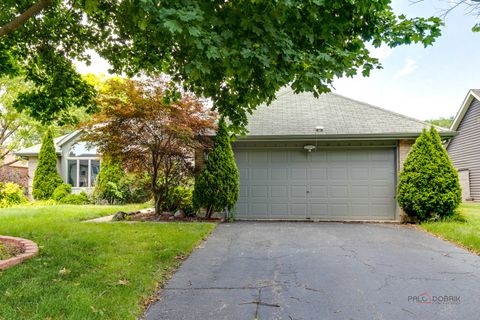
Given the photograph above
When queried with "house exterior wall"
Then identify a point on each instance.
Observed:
(464, 149)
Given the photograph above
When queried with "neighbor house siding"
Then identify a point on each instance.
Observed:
(464, 149)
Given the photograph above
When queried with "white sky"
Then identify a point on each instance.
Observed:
(418, 82)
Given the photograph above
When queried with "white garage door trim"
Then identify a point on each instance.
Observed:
(326, 184)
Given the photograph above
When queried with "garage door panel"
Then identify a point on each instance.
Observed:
(279, 173)
(359, 173)
(358, 156)
(298, 174)
(324, 184)
(318, 157)
(259, 192)
(298, 192)
(259, 157)
(318, 174)
(380, 155)
(243, 192)
(337, 156)
(297, 157)
(383, 173)
(241, 209)
(338, 210)
(383, 192)
(260, 173)
(258, 209)
(380, 210)
(318, 192)
(280, 210)
(280, 157)
(298, 210)
(338, 173)
(340, 191)
(359, 192)
(360, 209)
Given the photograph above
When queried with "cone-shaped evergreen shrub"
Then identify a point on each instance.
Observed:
(46, 178)
(428, 186)
(216, 188)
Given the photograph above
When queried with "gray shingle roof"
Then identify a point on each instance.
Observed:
(58, 141)
(298, 114)
(476, 91)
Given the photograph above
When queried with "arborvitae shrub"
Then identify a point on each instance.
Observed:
(46, 178)
(216, 187)
(428, 186)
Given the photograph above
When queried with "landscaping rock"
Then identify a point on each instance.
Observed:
(179, 214)
(119, 216)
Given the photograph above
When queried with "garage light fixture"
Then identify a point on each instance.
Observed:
(309, 147)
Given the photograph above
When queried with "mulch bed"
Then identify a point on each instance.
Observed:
(151, 216)
(15, 250)
(10, 249)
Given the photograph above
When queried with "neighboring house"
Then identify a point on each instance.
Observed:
(77, 164)
(331, 158)
(464, 149)
(14, 171)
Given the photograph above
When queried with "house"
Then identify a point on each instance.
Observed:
(464, 149)
(77, 164)
(326, 158)
(15, 171)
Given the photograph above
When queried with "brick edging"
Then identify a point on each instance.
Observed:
(30, 247)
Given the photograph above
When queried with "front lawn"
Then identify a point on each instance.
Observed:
(466, 233)
(89, 270)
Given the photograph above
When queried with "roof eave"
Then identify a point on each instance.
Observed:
(32, 154)
(340, 137)
(463, 109)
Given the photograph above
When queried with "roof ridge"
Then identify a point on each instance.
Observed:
(386, 110)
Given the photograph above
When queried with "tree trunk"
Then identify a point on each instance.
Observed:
(157, 201)
(209, 213)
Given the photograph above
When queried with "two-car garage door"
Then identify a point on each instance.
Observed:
(330, 184)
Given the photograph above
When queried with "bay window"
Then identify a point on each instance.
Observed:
(83, 166)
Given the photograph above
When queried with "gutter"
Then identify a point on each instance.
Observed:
(341, 137)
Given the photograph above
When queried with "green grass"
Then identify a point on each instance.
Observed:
(466, 233)
(89, 270)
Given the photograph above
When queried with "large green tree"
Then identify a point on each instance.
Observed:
(217, 185)
(238, 53)
(46, 178)
(18, 129)
(442, 122)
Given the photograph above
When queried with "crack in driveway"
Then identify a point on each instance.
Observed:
(254, 270)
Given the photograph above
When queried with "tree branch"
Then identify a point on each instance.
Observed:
(9, 163)
(19, 20)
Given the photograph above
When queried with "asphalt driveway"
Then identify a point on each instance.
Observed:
(272, 270)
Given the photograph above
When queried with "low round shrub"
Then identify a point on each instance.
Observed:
(81, 198)
(61, 191)
(181, 198)
(11, 194)
(429, 188)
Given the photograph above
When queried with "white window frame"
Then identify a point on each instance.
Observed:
(89, 170)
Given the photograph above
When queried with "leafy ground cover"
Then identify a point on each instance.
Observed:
(89, 270)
